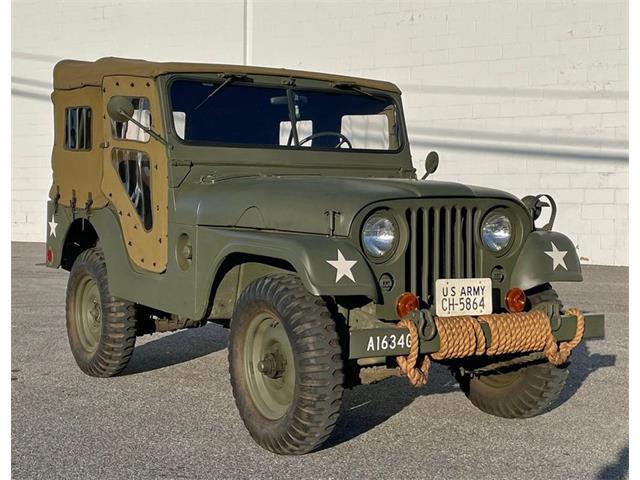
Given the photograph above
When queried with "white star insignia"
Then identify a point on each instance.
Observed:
(343, 267)
(52, 226)
(557, 256)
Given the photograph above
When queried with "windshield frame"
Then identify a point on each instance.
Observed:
(287, 84)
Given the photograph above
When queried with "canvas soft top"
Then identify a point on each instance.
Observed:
(70, 74)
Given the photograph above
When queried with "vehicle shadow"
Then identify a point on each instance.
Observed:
(388, 398)
(583, 363)
(619, 468)
(178, 347)
(367, 406)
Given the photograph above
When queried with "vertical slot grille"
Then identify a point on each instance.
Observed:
(441, 245)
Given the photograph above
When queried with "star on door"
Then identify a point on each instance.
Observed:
(52, 226)
(557, 256)
(343, 267)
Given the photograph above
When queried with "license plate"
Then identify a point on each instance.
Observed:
(387, 343)
(463, 296)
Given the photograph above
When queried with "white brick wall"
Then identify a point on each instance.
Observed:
(527, 96)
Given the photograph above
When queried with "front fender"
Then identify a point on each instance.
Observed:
(546, 257)
(308, 254)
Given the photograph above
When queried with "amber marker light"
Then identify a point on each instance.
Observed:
(515, 300)
(406, 303)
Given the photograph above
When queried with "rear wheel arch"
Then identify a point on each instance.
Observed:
(81, 235)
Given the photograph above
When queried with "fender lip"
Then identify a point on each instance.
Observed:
(535, 266)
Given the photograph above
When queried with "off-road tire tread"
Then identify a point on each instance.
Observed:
(118, 336)
(319, 366)
(538, 389)
(537, 392)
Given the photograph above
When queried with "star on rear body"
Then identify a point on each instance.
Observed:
(343, 267)
(52, 226)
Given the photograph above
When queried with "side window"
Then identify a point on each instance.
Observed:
(77, 128)
(129, 130)
(133, 168)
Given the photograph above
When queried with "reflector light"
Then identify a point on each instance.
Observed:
(515, 300)
(406, 303)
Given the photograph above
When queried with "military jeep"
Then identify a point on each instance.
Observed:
(284, 204)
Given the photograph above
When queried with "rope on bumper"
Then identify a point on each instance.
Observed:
(463, 336)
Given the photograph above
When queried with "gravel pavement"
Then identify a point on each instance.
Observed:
(171, 414)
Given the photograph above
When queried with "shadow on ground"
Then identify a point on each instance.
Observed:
(179, 347)
(617, 469)
(388, 398)
(583, 363)
(364, 407)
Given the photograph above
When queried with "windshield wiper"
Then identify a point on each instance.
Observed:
(356, 88)
(229, 77)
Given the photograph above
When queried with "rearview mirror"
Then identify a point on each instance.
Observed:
(431, 164)
(284, 100)
(120, 109)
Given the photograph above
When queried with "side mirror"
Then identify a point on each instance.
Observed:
(120, 109)
(431, 164)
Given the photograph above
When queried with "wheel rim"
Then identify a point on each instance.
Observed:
(88, 313)
(269, 367)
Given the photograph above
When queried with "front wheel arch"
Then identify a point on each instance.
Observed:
(534, 266)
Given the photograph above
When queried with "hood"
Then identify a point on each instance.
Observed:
(302, 203)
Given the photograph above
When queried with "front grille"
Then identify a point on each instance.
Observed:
(441, 245)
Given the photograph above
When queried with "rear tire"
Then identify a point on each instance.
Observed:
(101, 328)
(285, 364)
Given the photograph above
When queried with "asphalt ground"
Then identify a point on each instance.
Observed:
(172, 415)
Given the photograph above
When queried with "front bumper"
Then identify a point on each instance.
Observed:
(392, 341)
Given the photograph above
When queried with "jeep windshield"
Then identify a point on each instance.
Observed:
(235, 112)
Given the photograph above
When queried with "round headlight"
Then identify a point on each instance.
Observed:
(496, 231)
(378, 235)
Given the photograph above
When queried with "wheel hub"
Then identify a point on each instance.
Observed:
(273, 365)
(269, 365)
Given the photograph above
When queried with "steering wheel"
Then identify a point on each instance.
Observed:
(342, 138)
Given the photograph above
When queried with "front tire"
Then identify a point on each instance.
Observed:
(101, 328)
(519, 391)
(285, 365)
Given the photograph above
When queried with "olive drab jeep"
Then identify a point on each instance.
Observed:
(284, 204)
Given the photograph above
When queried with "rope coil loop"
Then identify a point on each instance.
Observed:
(463, 336)
(407, 363)
(558, 355)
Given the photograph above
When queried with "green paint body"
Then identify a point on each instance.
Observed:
(247, 212)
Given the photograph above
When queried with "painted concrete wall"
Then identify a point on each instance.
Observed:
(527, 96)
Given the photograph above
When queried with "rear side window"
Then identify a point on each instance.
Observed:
(77, 133)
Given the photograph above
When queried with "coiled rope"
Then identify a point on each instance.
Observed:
(462, 336)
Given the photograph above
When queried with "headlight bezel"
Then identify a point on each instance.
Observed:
(387, 215)
(512, 226)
